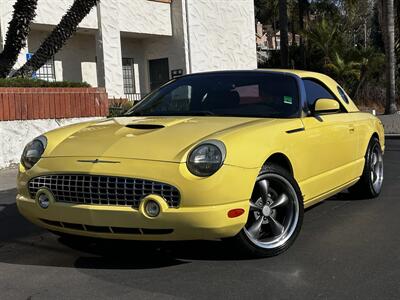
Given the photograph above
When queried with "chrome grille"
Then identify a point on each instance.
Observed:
(103, 190)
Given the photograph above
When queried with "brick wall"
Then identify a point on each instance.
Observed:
(52, 103)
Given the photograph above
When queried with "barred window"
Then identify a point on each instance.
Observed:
(128, 75)
(47, 72)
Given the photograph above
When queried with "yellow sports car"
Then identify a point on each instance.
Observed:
(232, 155)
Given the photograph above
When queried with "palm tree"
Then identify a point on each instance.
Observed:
(345, 72)
(283, 27)
(302, 7)
(58, 37)
(324, 36)
(24, 13)
(386, 16)
(397, 43)
(371, 63)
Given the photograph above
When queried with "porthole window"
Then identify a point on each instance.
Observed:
(343, 94)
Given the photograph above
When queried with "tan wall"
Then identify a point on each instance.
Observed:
(76, 61)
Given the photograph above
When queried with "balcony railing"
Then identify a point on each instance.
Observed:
(135, 97)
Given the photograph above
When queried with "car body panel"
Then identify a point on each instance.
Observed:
(325, 152)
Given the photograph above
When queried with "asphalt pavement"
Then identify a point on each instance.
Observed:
(347, 249)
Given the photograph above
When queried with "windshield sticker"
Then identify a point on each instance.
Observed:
(287, 100)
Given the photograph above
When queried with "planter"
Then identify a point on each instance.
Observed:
(52, 103)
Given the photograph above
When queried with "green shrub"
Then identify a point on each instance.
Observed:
(118, 107)
(37, 83)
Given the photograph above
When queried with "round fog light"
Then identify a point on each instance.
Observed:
(44, 201)
(152, 209)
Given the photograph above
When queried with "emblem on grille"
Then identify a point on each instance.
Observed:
(98, 161)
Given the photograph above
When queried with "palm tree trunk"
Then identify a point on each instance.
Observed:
(18, 30)
(301, 25)
(58, 37)
(283, 26)
(391, 107)
(397, 31)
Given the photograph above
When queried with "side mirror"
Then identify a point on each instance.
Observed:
(324, 106)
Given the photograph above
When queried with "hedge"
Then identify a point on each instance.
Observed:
(37, 83)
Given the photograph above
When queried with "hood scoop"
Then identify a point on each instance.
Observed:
(145, 126)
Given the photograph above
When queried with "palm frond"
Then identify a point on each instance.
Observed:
(18, 30)
(58, 37)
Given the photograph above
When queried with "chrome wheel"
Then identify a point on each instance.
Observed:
(274, 212)
(376, 168)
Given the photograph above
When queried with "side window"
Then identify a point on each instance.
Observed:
(315, 91)
(343, 94)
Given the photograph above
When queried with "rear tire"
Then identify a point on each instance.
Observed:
(275, 216)
(370, 184)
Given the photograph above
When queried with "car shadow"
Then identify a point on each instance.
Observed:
(23, 243)
(145, 255)
(347, 196)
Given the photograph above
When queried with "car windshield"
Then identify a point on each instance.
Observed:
(237, 94)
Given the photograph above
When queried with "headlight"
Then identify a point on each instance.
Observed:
(207, 158)
(33, 152)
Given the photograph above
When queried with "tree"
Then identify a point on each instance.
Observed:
(345, 72)
(371, 67)
(283, 26)
(58, 37)
(397, 19)
(18, 30)
(266, 12)
(386, 8)
(301, 9)
(324, 36)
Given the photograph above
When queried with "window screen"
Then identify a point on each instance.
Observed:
(128, 75)
(47, 72)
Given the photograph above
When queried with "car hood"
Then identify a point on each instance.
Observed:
(148, 138)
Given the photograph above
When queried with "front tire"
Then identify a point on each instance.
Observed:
(371, 181)
(275, 216)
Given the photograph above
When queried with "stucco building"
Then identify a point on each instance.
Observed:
(133, 46)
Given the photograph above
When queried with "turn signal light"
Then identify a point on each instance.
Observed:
(234, 213)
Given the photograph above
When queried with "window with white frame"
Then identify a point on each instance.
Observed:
(47, 72)
(128, 69)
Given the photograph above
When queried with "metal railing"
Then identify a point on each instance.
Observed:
(135, 97)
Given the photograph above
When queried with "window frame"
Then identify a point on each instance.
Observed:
(125, 84)
(343, 94)
(298, 81)
(334, 96)
(44, 74)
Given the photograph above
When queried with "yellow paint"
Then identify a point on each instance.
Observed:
(327, 157)
(326, 105)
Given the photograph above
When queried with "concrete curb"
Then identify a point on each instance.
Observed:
(392, 136)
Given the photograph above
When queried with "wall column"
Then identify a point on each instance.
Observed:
(108, 49)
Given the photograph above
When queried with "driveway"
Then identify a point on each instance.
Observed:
(347, 249)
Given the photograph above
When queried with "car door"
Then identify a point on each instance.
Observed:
(331, 143)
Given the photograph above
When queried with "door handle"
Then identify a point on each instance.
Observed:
(352, 129)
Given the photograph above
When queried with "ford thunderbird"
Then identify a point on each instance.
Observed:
(234, 155)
